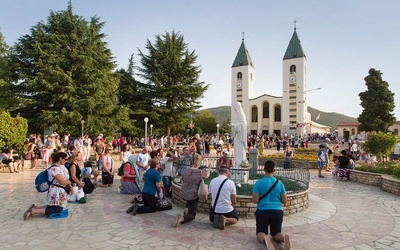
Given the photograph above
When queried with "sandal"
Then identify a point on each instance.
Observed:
(28, 212)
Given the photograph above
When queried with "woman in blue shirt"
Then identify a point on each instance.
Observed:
(269, 209)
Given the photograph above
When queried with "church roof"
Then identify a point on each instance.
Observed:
(294, 49)
(242, 57)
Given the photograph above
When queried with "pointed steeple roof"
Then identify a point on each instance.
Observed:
(242, 57)
(294, 49)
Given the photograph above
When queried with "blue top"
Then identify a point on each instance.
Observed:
(150, 178)
(273, 200)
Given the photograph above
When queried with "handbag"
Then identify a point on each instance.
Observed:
(203, 190)
(215, 202)
(163, 203)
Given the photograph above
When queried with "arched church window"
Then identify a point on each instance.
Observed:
(353, 131)
(254, 114)
(292, 69)
(239, 75)
(266, 110)
(277, 113)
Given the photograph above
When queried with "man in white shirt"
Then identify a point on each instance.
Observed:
(142, 162)
(224, 211)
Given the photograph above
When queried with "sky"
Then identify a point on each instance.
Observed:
(342, 40)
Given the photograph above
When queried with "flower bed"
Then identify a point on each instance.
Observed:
(245, 207)
(386, 182)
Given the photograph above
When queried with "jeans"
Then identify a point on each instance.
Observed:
(192, 209)
(167, 184)
(150, 203)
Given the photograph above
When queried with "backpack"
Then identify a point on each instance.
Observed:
(121, 169)
(42, 182)
(88, 187)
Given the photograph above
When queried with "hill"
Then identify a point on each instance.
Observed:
(330, 119)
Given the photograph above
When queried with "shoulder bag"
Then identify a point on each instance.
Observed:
(215, 202)
(269, 190)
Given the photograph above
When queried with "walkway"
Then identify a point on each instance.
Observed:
(342, 215)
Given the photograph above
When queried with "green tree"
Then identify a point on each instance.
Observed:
(378, 104)
(173, 79)
(12, 131)
(63, 72)
(206, 121)
(380, 144)
(6, 95)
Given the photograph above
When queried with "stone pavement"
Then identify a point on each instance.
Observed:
(342, 215)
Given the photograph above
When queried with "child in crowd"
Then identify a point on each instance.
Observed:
(321, 160)
(336, 166)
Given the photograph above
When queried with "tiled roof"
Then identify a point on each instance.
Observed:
(243, 57)
(294, 49)
(347, 124)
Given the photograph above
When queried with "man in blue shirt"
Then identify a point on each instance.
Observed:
(269, 208)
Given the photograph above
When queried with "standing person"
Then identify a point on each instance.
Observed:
(87, 144)
(325, 149)
(278, 143)
(207, 146)
(288, 154)
(107, 173)
(396, 152)
(269, 208)
(191, 179)
(224, 161)
(56, 198)
(152, 186)
(224, 210)
(199, 145)
(142, 163)
(99, 147)
(126, 152)
(321, 160)
(167, 173)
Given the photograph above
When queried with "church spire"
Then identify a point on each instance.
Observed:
(243, 56)
(294, 50)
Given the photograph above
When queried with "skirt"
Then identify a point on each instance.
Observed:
(129, 188)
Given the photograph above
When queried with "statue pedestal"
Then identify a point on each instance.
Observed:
(241, 174)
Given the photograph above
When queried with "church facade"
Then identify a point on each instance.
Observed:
(267, 114)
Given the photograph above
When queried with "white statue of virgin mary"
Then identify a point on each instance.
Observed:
(239, 133)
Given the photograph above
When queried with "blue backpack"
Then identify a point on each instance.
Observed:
(42, 182)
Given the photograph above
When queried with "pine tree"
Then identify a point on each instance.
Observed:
(64, 74)
(172, 78)
(378, 104)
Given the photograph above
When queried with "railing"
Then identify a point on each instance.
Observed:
(295, 172)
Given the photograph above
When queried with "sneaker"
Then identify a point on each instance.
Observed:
(268, 243)
(321, 176)
(136, 209)
(221, 222)
(138, 200)
(130, 209)
(287, 245)
(216, 220)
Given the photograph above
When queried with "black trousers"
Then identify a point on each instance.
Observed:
(192, 209)
(150, 204)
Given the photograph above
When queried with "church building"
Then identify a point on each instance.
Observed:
(267, 114)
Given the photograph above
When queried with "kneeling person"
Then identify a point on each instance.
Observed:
(224, 210)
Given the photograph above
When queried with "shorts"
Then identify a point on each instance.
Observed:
(53, 209)
(269, 218)
(231, 214)
(7, 161)
(320, 164)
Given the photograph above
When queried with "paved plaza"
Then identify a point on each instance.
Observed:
(342, 215)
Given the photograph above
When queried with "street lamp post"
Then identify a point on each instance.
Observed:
(82, 122)
(151, 129)
(218, 131)
(146, 120)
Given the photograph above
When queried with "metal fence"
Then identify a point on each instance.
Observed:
(294, 172)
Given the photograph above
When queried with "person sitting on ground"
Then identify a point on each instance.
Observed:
(224, 211)
(7, 158)
(107, 173)
(344, 162)
(74, 170)
(224, 161)
(269, 208)
(56, 198)
(128, 179)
